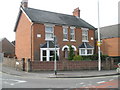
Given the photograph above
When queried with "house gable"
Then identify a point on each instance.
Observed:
(23, 36)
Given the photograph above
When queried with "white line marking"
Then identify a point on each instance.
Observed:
(89, 84)
(111, 79)
(100, 82)
(8, 81)
(81, 83)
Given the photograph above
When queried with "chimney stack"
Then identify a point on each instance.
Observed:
(76, 12)
(24, 3)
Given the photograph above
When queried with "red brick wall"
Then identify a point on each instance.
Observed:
(23, 38)
(58, 31)
(65, 65)
(110, 46)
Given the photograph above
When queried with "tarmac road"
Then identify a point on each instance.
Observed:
(12, 81)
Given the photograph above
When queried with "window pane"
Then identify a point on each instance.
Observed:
(71, 31)
(48, 29)
(51, 59)
(44, 53)
(82, 51)
(65, 36)
(65, 30)
(51, 53)
(44, 59)
(89, 51)
(48, 33)
(65, 33)
(84, 35)
(84, 38)
(72, 35)
(49, 36)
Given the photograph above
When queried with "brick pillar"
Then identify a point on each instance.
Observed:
(112, 63)
(23, 64)
(28, 65)
(107, 63)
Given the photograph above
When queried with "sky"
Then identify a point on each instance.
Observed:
(88, 11)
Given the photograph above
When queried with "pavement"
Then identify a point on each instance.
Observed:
(60, 74)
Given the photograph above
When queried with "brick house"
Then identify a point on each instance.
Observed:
(7, 48)
(110, 38)
(35, 30)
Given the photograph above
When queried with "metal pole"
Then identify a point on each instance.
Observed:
(55, 67)
(99, 58)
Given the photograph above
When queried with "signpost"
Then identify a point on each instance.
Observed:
(99, 58)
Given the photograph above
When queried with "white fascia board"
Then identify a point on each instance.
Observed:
(49, 48)
(26, 15)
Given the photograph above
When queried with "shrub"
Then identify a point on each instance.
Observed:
(77, 58)
(71, 53)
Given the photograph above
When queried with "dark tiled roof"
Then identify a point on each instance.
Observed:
(109, 31)
(40, 16)
(48, 44)
(85, 45)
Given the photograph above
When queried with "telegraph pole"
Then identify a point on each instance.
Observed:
(99, 43)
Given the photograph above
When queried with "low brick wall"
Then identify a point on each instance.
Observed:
(45, 65)
(27, 65)
(64, 65)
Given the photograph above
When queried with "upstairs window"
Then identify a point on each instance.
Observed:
(84, 35)
(65, 34)
(72, 34)
(49, 33)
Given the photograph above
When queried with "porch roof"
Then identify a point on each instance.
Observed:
(85, 45)
(48, 44)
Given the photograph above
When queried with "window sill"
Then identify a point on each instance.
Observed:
(85, 41)
(65, 40)
(86, 54)
(48, 39)
(73, 40)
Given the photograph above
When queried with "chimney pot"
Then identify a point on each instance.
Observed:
(76, 12)
(24, 3)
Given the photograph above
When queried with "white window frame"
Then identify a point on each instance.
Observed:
(86, 35)
(72, 28)
(80, 53)
(65, 28)
(48, 53)
(51, 26)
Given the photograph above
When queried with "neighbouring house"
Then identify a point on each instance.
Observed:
(7, 48)
(110, 38)
(35, 30)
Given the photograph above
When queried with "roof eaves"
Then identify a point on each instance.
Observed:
(18, 17)
(26, 14)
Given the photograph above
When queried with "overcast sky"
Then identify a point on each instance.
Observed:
(108, 12)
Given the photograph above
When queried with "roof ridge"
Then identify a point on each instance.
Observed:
(49, 11)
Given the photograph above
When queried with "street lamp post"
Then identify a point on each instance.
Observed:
(99, 58)
(55, 63)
